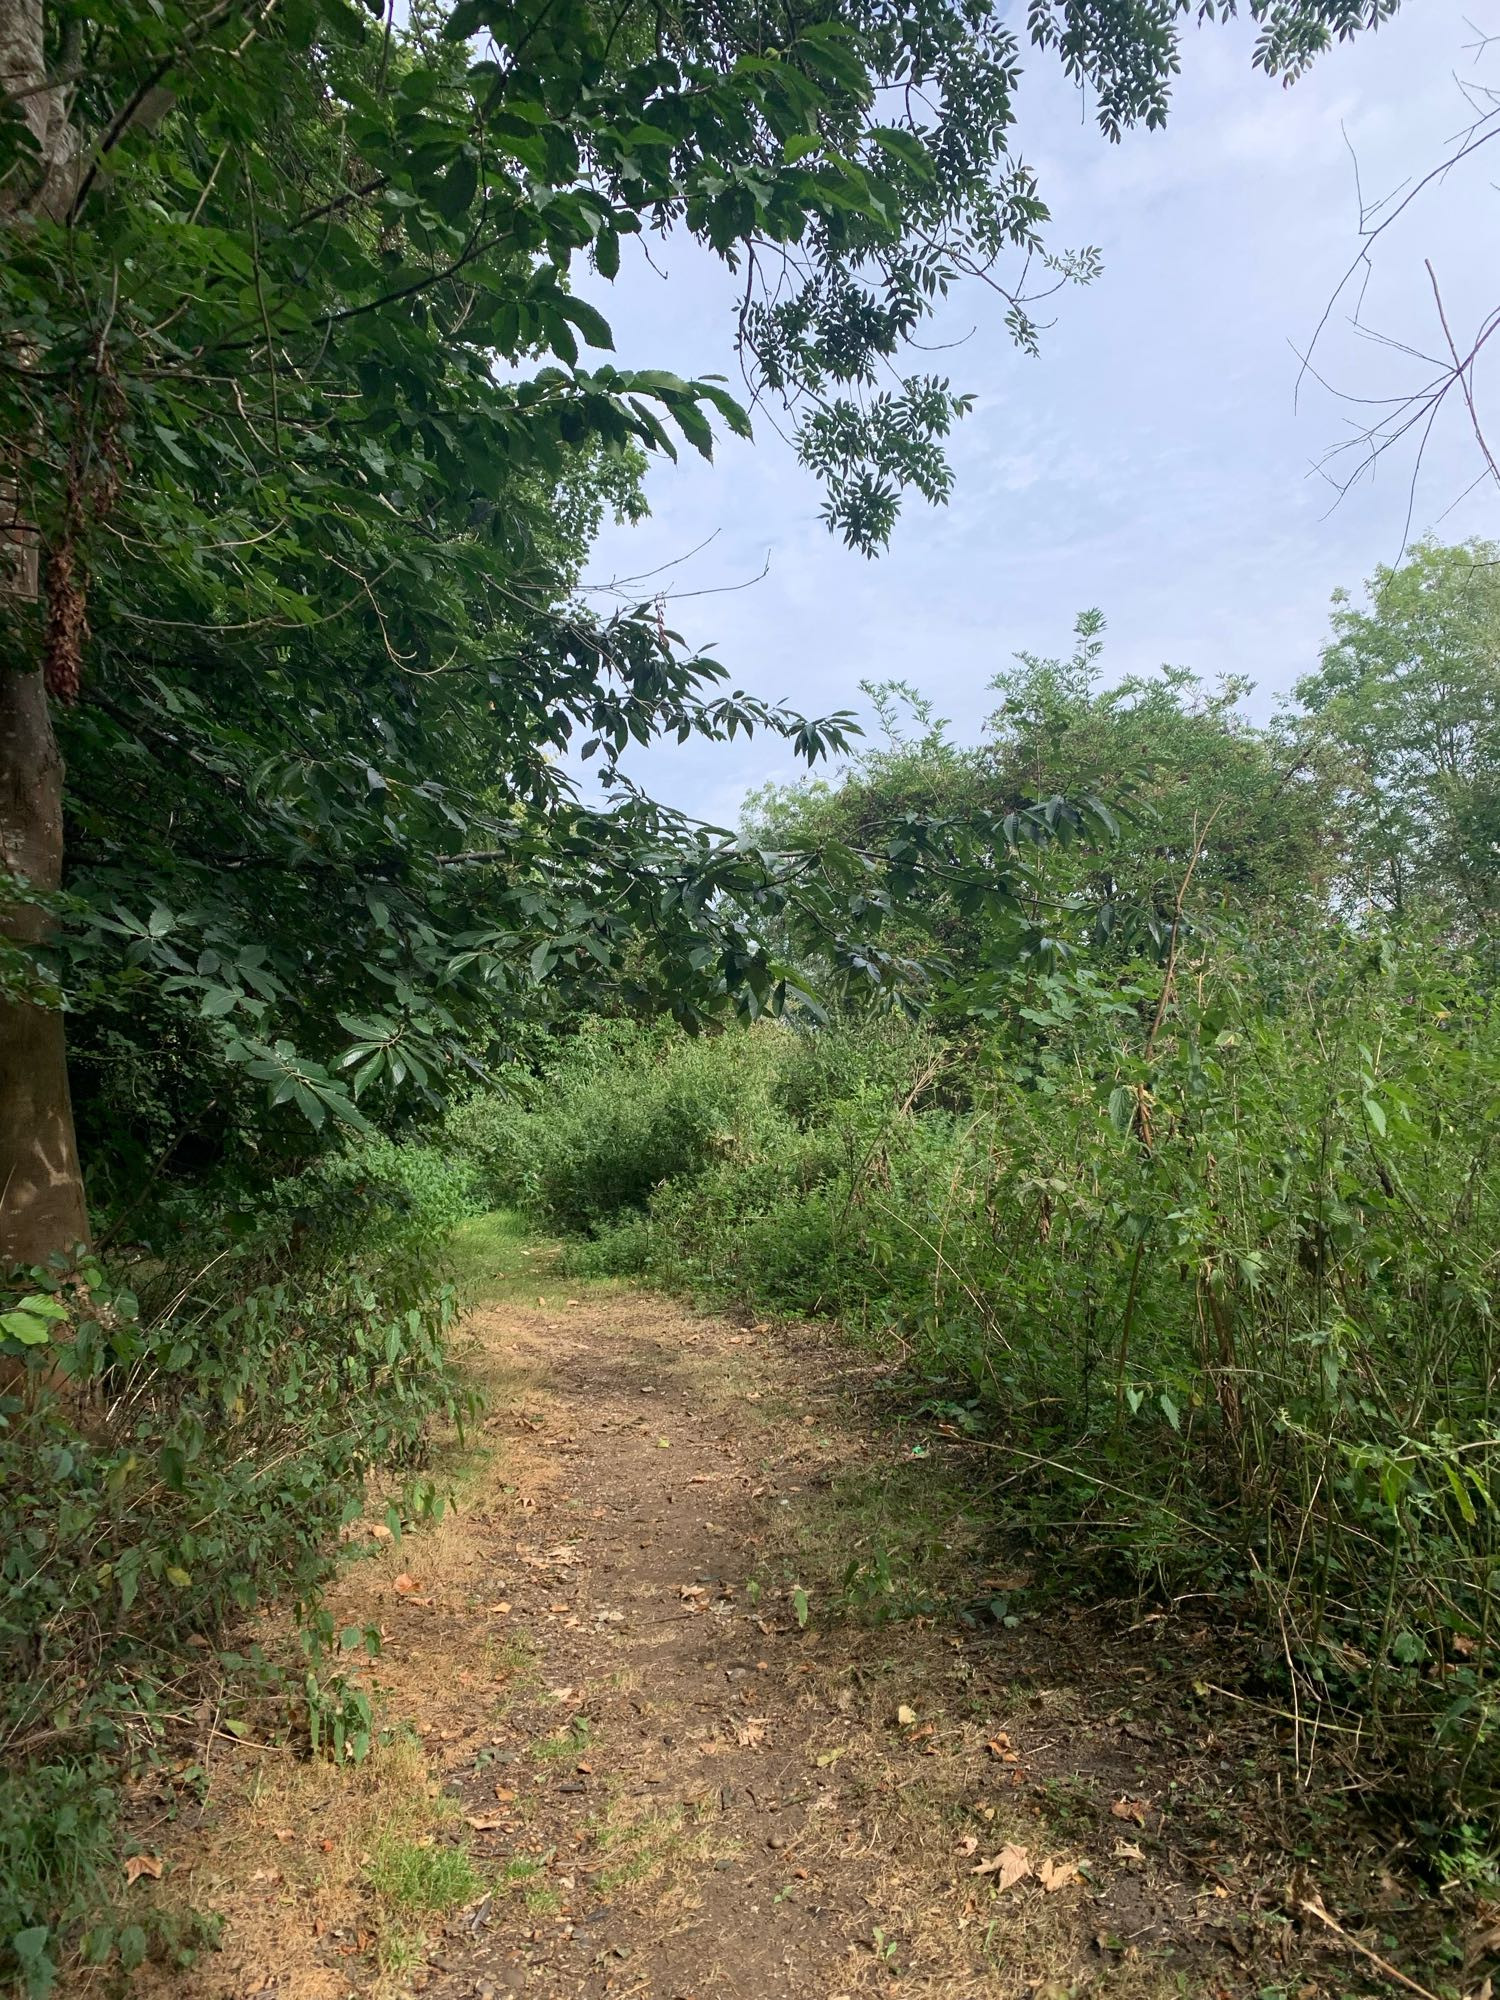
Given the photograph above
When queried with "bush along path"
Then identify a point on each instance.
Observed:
(713, 1681)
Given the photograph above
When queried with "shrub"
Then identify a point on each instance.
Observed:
(172, 1457)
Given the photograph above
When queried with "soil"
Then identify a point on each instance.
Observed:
(724, 1688)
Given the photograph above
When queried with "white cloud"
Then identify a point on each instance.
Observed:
(1153, 461)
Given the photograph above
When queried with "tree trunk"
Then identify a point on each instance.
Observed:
(42, 1209)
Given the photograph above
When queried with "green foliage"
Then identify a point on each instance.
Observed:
(185, 1445)
(1405, 712)
(427, 1880)
(313, 429)
(622, 1111)
(1178, 776)
(1204, 1256)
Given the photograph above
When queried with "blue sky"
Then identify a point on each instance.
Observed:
(1156, 460)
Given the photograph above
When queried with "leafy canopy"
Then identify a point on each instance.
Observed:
(313, 429)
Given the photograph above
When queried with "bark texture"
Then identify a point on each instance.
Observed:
(44, 106)
(42, 1208)
(41, 1188)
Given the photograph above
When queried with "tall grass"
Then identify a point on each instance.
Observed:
(1208, 1275)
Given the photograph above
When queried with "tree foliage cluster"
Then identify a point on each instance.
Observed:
(307, 422)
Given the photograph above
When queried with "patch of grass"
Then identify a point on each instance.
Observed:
(491, 1258)
(420, 1876)
(400, 1951)
(569, 1742)
(543, 1902)
(1070, 1806)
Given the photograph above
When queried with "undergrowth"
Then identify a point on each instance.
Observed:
(182, 1438)
(1204, 1278)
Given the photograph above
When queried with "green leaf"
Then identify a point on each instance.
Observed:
(590, 323)
(905, 147)
(44, 1306)
(25, 1327)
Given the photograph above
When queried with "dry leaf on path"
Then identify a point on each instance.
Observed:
(1011, 1865)
(1054, 1875)
(968, 1844)
(1130, 1809)
(404, 1585)
(138, 1865)
(487, 1822)
(905, 1716)
(751, 1731)
(1126, 1850)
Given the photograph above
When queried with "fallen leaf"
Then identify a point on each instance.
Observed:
(1054, 1875)
(751, 1731)
(1130, 1809)
(486, 1822)
(968, 1844)
(499, 1610)
(138, 1865)
(504, 1794)
(825, 1758)
(1126, 1850)
(404, 1585)
(284, 1834)
(1011, 1865)
(905, 1716)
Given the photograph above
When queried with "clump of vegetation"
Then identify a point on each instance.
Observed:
(173, 1456)
(424, 1877)
(1182, 1199)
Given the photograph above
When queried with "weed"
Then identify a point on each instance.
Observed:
(423, 1876)
(569, 1742)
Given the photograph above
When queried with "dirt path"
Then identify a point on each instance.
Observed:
(669, 1787)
